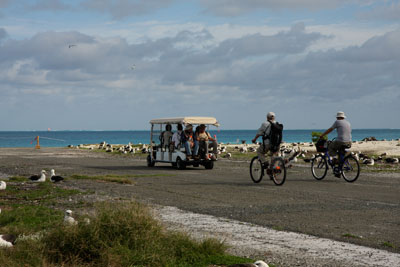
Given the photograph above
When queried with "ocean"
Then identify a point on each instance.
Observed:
(65, 138)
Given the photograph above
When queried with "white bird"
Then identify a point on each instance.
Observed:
(7, 240)
(258, 263)
(3, 185)
(228, 155)
(55, 178)
(68, 219)
(369, 162)
(37, 178)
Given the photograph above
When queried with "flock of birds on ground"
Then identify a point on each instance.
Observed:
(286, 151)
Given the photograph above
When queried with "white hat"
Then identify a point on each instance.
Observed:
(340, 114)
(270, 114)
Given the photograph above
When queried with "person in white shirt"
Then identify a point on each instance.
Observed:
(343, 129)
(176, 137)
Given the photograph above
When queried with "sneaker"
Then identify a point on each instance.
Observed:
(337, 175)
(188, 157)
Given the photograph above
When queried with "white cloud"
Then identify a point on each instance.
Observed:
(195, 72)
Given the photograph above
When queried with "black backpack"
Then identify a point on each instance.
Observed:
(275, 136)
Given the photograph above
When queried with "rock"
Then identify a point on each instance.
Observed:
(371, 138)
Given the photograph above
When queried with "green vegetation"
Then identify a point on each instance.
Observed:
(121, 234)
(33, 192)
(278, 228)
(388, 244)
(315, 136)
(121, 179)
(348, 235)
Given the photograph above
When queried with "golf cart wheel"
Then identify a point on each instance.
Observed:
(150, 162)
(209, 165)
(180, 164)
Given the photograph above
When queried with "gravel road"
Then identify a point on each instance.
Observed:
(364, 213)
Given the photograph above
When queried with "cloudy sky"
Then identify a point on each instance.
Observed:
(116, 64)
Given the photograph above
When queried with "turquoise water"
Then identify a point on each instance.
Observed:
(64, 138)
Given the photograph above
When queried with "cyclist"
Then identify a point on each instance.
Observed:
(343, 129)
(263, 131)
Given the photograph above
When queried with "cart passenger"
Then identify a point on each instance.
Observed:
(187, 140)
(176, 137)
(203, 138)
(166, 136)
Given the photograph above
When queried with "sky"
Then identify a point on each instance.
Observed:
(117, 64)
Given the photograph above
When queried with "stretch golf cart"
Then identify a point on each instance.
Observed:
(177, 156)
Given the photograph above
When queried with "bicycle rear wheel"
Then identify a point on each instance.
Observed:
(319, 167)
(278, 170)
(350, 169)
(256, 170)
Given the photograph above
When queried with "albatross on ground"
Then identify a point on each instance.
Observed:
(7, 240)
(68, 219)
(55, 178)
(3, 185)
(37, 178)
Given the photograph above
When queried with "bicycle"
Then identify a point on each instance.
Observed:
(348, 166)
(276, 172)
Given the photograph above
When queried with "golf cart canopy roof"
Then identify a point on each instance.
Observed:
(187, 120)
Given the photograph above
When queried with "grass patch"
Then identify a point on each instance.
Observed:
(121, 179)
(27, 219)
(18, 179)
(37, 192)
(278, 228)
(348, 235)
(104, 178)
(121, 234)
(388, 244)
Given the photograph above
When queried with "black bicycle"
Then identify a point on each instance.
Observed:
(276, 170)
(347, 166)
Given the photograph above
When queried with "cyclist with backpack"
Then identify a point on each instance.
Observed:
(271, 132)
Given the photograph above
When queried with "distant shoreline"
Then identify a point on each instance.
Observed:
(213, 128)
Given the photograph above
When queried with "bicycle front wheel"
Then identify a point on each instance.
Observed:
(350, 169)
(319, 167)
(278, 171)
(256, 170)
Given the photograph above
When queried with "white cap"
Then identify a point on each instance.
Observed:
(270, 114)
(340, 114)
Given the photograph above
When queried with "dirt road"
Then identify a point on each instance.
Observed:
(366, 212)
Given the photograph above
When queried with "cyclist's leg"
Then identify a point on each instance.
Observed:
(261, 153)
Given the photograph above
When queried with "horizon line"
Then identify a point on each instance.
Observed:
(307, 129)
